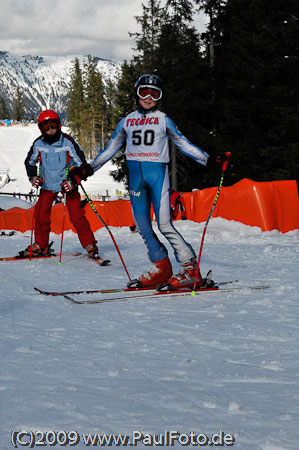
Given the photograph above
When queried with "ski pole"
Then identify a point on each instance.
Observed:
(107, 228)
(62, 231)
(33, 223)
(223, 170)
(64, 202)
(35, 201)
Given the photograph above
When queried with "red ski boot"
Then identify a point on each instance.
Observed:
(92, 251)
(157, 275)
(186, 276)
(35, 250)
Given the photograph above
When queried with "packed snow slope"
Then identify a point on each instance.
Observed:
(15, 142)
(197, 365)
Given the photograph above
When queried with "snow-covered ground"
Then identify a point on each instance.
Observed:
(219, 361)
(15, 142)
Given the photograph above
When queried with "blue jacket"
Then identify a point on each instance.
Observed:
(53, 160)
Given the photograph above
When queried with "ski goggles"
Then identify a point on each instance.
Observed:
(49, 125)
(146, 91)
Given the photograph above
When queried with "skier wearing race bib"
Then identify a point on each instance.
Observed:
(146, 132)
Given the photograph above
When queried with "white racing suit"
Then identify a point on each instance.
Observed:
(147, 153)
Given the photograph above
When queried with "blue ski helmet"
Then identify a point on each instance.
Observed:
(148, 80)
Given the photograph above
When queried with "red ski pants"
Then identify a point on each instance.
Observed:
(42, 215)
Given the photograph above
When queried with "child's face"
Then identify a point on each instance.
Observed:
(148, 96)
(147, 103)
(49, 127)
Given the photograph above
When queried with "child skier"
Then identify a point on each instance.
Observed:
(146, 132)
(56, 152)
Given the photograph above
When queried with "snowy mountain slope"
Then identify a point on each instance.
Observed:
(44, 80)
(198, 365)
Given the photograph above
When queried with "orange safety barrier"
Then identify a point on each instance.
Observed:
(116, 213)
(268, 205)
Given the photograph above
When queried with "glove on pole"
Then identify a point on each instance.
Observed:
(107, 228)
(67, 186)
(36, 181)
(224, 161)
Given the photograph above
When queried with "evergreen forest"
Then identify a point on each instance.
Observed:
(18, 107)
(233, 86)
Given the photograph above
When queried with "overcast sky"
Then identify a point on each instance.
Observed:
(62, 27)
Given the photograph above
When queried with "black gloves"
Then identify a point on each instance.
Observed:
(77, 174)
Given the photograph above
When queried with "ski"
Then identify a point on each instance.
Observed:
(91, 291)
(157, 294)
(52, 255)
(108, 291)
(22, 258)
(10, 233)
(99, 261)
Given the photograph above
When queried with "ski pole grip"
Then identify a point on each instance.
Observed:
(225, 162)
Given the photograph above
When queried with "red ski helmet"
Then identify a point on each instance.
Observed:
(48, 114)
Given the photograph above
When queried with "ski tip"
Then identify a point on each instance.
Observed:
(106, 262)
(101, 261)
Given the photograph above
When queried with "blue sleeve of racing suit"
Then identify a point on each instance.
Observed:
(184, 144)
(117, 140)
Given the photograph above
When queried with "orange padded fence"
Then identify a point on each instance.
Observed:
(116, 213)
(268, 205)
